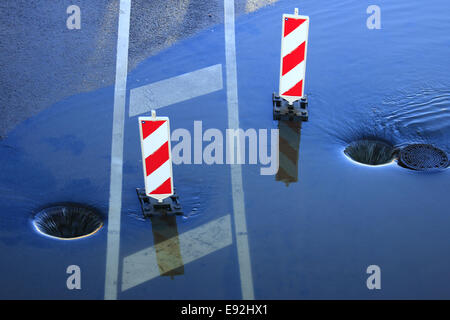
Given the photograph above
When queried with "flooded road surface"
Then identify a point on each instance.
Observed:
(313, 227)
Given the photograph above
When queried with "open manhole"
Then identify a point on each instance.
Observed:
(423, 157)
(68, 221)
(370, 152)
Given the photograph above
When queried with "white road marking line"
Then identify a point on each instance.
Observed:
(240, 223)
(142, 266)
(115, 192)
(180, 88)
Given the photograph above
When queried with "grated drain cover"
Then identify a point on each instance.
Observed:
(423, 157)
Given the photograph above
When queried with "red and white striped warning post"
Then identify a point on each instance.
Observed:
(294, 43)
(156, 156)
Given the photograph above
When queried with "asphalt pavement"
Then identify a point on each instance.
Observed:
(43, 62)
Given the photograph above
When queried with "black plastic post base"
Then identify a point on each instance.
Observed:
(152, 207)
(282, 110)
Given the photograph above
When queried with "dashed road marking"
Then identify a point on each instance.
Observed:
(176, 89)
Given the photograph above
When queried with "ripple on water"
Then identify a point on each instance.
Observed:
(420, 116)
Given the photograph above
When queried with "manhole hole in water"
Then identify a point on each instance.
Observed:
(423, 157)
(68, 221)
(370, 152)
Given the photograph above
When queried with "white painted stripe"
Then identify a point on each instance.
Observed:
(245, 270)
(173, 90)
(115, 191)
(154, 141)
(158, 177)
(295, 38)
(142, 266)
(291, 78)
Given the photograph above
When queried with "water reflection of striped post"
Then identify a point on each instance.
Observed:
(289, 144)
(167, 245)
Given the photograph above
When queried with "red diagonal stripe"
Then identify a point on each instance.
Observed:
(157, 158)
(295, 91)
(148, 127)
(165, 188)
(292, 59)
(290, 24)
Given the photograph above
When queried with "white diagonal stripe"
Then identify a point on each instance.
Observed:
(291, 78)
(142, 266)
(295, 38)
(158, 177)
(154, 141)
(180, 88)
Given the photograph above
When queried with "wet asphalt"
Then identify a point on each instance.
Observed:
(43, 62)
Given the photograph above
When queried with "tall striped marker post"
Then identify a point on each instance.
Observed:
(159, 195)
(291, 103)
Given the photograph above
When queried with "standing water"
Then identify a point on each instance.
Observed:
(314, 228)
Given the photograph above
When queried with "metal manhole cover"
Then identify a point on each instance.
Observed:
(423, 157)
